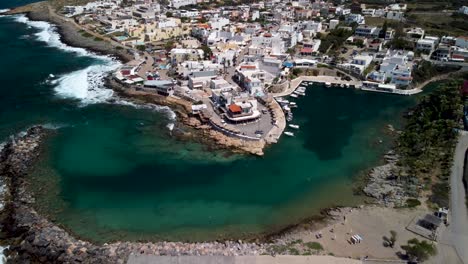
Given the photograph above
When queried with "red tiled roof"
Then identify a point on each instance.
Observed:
(248, 67)
(235, 108)
(307, 50)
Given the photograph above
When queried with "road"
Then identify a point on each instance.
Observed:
(149, 259)
(456, 234)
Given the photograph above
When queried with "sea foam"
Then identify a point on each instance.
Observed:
(87, 84)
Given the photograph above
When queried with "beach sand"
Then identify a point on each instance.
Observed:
(372, 223)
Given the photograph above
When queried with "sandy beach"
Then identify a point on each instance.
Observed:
(371, 223)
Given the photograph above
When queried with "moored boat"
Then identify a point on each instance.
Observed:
(294, 95)
(327, 84)
(293, 126)
(287, 133)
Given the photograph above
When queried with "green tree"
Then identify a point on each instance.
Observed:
(207, 52)
(169, 45)
(390, 241)
(384, 29)
(419, 250)
(169, 14)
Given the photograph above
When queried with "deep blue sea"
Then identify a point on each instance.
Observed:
(113, 170)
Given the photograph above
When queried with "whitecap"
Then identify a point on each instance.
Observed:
(4, 11)
(171, 115)
(53, 126)
(48, 34)
(87, 84)
(170, 126)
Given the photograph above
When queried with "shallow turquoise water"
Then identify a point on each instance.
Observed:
(115, 171)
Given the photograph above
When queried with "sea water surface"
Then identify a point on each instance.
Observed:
(113, 171)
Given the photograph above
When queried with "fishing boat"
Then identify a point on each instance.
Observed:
(294, 95)
(287, 133)
(293, 126)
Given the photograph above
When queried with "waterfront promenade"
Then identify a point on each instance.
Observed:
(293, 84)
(279, 124)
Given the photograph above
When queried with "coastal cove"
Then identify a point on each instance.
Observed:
(115, 172)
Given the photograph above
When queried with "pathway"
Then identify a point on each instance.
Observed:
(147, 259)
(456, 234)
(293, 84)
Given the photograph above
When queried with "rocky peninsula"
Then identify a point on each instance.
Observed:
(70, 33)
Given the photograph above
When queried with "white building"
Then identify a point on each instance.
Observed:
(462, 42)
(334, 23)
(368, 12)
(426, 45)
(395, 15)
(355, 18)
(367, 31)
(396, 67)
(463, 10)
(189, 13)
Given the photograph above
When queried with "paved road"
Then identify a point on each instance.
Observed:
(149, 259)
(457, 232)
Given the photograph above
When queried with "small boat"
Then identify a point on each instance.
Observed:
(342, 85)
(51, 75)
(293, 126)
(347, 85)
(293, 106)
(292, 103)
(287, 133)
(301, 89)
(286, 108)
(327, 84)
(299, 93)
(294, 95)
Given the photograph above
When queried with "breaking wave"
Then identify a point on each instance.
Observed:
(86, 85)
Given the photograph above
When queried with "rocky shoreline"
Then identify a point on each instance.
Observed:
(70, 34)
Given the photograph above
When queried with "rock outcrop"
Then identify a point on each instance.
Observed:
(383, 183)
